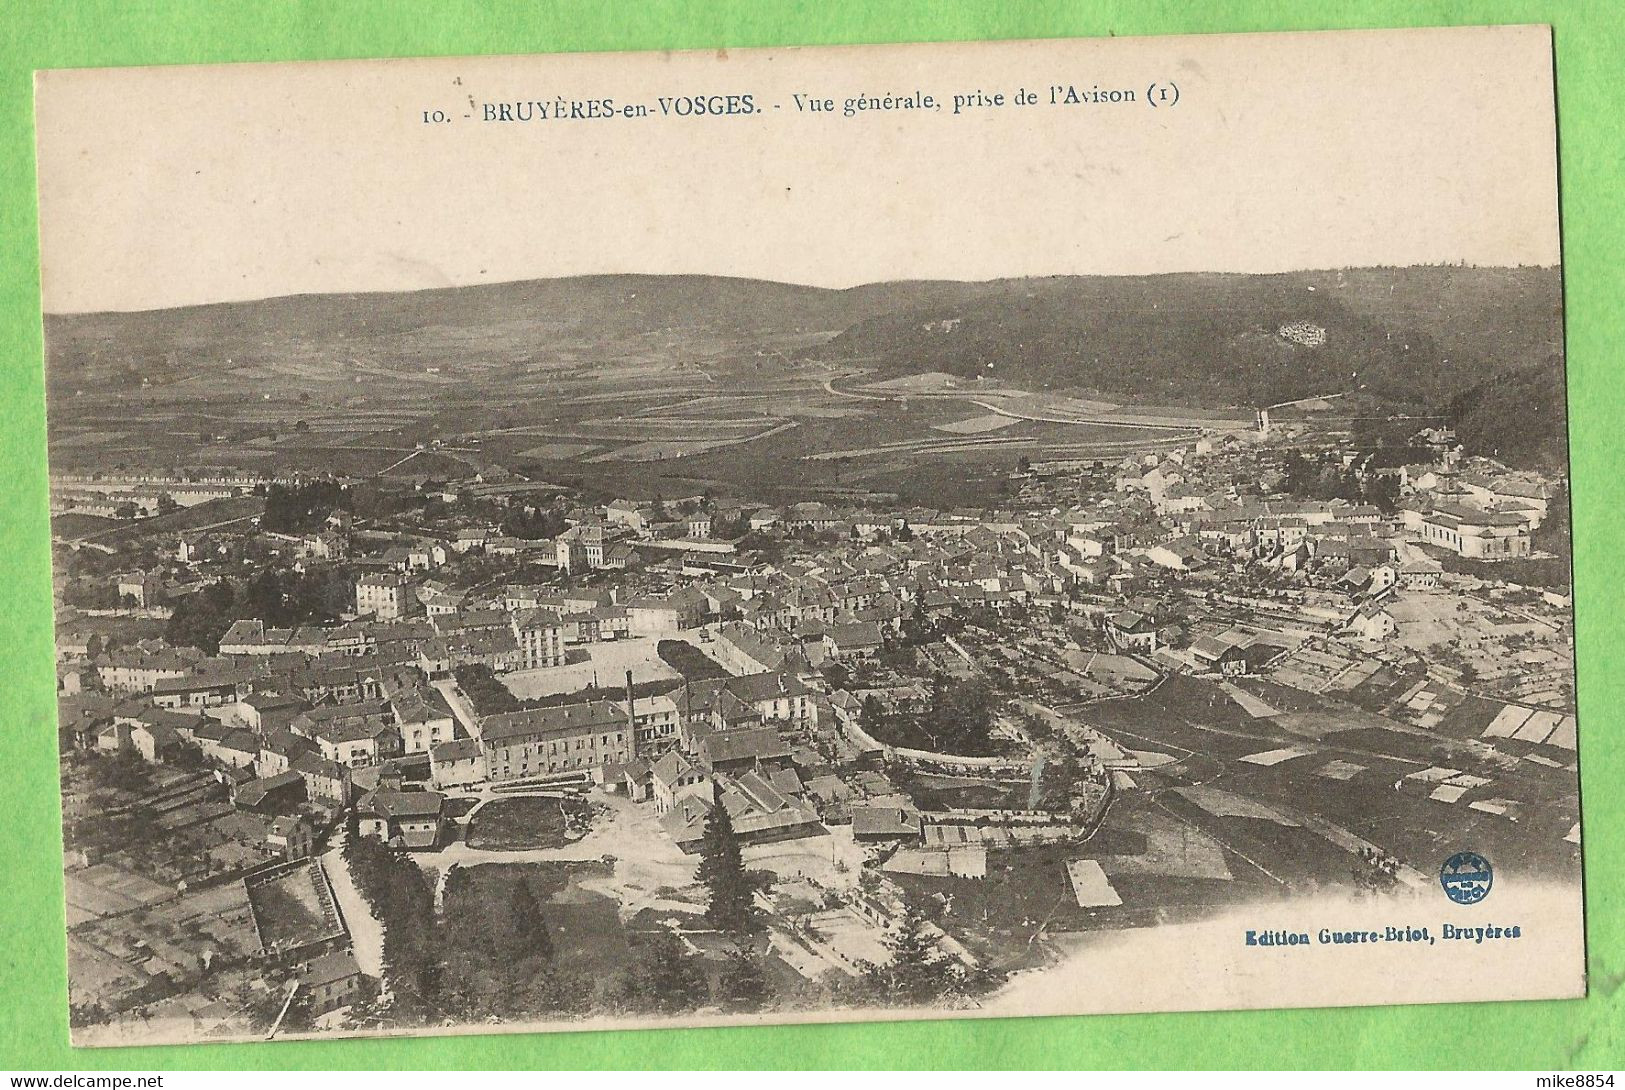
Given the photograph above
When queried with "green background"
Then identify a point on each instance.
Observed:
(1575, 1035)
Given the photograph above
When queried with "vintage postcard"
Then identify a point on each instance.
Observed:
(811, 534)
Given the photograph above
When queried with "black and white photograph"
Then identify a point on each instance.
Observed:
(830, 534)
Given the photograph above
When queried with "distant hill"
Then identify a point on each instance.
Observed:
(1406, 336)
(445, 325)
(1519, 416)
(1467, 341)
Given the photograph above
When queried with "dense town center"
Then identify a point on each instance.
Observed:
(365, 750)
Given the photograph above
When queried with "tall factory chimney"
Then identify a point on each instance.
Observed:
(631, 718)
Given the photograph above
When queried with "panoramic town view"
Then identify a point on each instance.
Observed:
(685, 648)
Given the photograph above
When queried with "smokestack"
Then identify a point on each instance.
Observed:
(631, 717)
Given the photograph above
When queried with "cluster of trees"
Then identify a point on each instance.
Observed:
(1325, 480)
(669, 979)
(533, 523)
(1555, 533)
(918, 974)
(403, 901)
(1376, 871)
(491, 953)
(1547, 572)
(920, 628)
(499, 958)
(764, 547)
(491, 957)
(957, 717)
(488, 695)
(94, 594)
(279, 598)
(730, 528)
(129, 509)
(731, 905)
(688, 660)
(1219, 340)
(299, 509)
(666, 980)
(1060, 780)
(1519, 416)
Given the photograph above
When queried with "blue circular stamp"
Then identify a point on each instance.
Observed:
(1466, 878)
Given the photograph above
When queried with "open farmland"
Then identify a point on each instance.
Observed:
(643, 412)
(1319, 770)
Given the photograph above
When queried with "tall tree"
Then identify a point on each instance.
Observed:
(515, 926)
(200, 619)
(744, 983)
(732, 905)
(917, 973)
(667, 979)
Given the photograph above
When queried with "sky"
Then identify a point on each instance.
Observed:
(164, 187)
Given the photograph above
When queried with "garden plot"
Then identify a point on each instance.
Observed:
(293, 908)
(109, 958)
(854, 940)
(1498, 643)
(524, 822)
(1271, 757)
(1090, 886)
(104, 890)
(1224, 804)
(699, 429)
(667, 449)
(977, 424)
(1172, 849)
(96, 976)
(1313, 668)
(561, 452)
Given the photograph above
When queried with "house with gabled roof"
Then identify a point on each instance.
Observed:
(331, 981)
(291, 836)
(853, 641)
(886, 824)
(279, 749)
(326, 782)
(628, 513)
(1371, 622)
(359, 742)
(414, 820)
(1420, 574)
(277, 794)
(761, 811)
(734, 751)
(457, 763)
(1222, 654)
(675, 775)
(1130, 630)
(237, 749)
(1180, 554)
